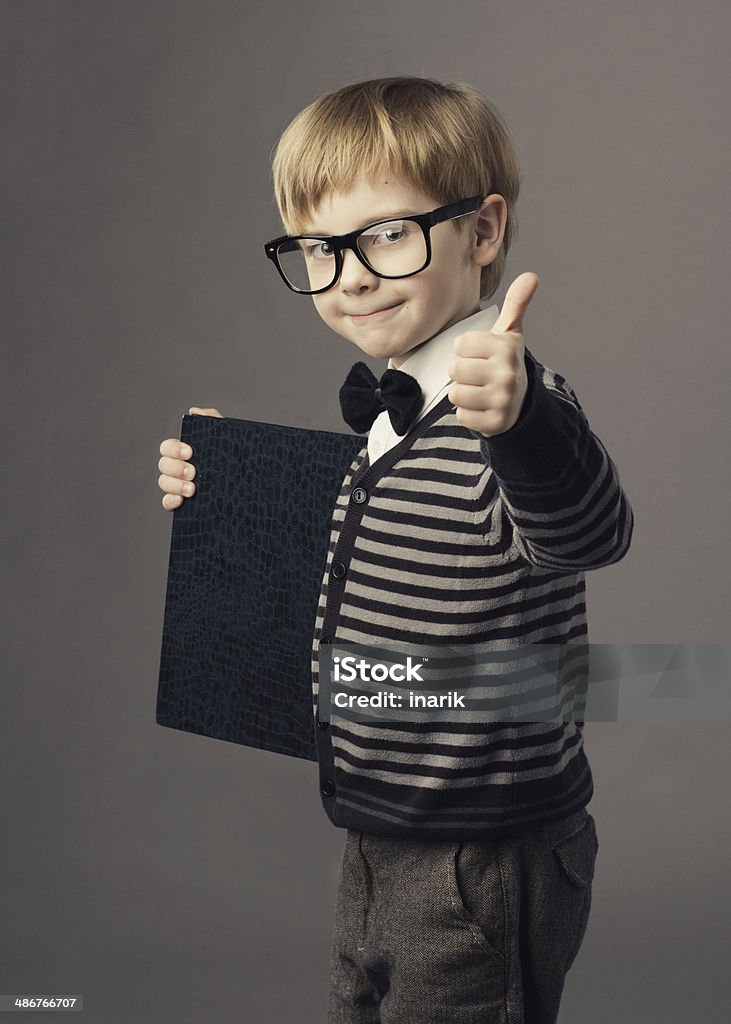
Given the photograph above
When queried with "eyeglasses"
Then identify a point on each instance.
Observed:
(396, 247)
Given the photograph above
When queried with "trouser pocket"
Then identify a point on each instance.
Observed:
(574, 847)
(476, 892)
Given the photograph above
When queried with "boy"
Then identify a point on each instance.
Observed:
(471, 515)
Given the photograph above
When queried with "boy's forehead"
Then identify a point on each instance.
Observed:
(383, 195)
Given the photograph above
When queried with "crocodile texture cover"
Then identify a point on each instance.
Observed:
(247, 554)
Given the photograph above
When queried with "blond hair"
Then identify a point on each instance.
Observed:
(445, 139)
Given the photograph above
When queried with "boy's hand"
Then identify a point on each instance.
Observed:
(176, 473)
(490, 380)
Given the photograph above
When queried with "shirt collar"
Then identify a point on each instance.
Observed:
(430, 361)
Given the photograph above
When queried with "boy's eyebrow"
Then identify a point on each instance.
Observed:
(404, 211)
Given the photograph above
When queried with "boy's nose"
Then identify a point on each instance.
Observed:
(353, 273)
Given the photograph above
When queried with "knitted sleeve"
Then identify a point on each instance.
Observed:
(558, 484)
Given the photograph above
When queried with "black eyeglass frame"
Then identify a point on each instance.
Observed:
(350, 241)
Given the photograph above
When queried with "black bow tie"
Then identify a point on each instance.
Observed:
(363, 397)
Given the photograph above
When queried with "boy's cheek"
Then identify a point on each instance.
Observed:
(328, 314)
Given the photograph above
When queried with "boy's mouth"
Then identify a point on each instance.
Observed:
(377, 313)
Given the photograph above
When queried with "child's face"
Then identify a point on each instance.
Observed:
(446, 291)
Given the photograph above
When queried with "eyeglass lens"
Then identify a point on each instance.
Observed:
(394, 249)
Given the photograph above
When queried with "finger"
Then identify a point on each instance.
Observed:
(517, 297)
(490, 422)
(468, 370)
(468, 396)
(175, 449)
(171, 501)
(196, 410)
(477, 344)
(176, 467)
(173, 485)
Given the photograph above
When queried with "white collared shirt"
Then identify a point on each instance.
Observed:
(429, 366)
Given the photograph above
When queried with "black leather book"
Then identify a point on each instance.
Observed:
(247, 554)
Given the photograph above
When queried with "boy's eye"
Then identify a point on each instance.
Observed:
(318, 250)
(390, 235)
(382, 236)
(387, 234)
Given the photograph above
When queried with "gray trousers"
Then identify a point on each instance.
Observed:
(431, 931)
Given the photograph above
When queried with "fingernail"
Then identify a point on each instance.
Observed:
(185, 452)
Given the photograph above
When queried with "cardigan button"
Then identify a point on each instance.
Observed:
(327, 788)
(359, 495)
(339, 570)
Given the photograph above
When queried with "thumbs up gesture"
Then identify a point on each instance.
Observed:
(490, 380)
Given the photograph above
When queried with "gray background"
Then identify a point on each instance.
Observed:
(170, 877)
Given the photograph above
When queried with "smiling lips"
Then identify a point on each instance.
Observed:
(375, 313)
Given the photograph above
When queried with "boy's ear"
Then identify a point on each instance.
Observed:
(489, 229)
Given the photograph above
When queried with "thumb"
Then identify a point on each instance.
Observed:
(517, 297)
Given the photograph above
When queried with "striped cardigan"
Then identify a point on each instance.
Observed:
(468, 538)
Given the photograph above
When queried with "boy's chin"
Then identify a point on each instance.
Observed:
(381, 350)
